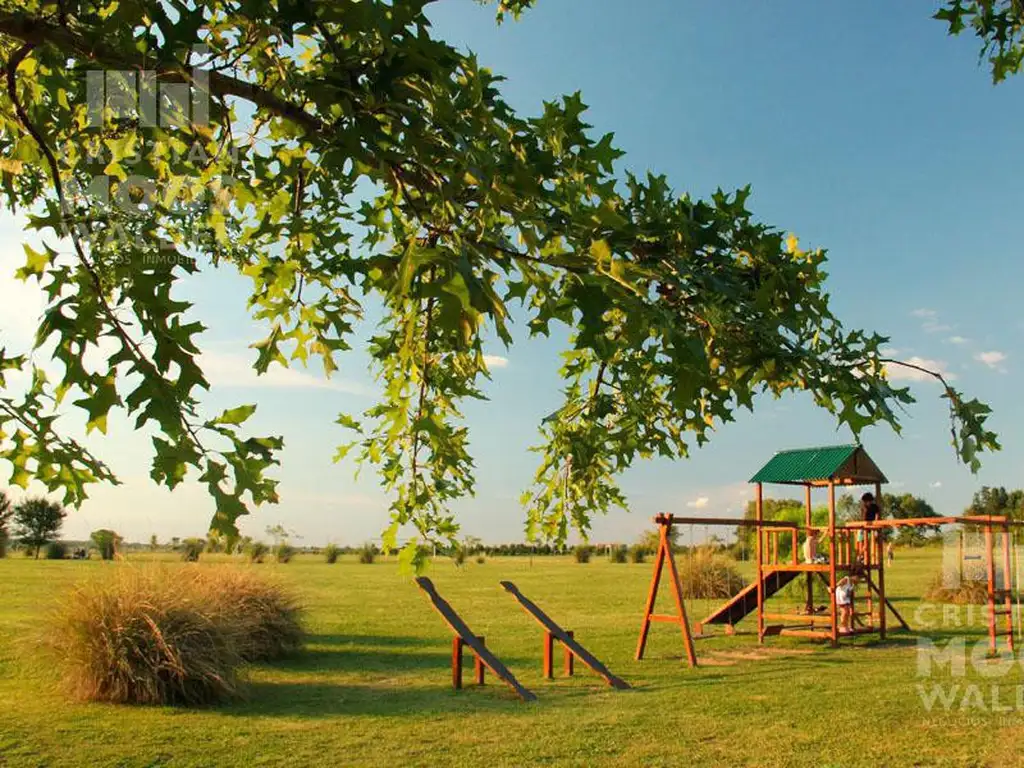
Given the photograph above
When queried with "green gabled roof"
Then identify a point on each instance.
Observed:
(844, 464)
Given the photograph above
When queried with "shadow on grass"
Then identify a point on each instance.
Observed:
(383, 656)
(387, 666)
(363, 660)
(314, 700)
(310, 700)
(371, 640)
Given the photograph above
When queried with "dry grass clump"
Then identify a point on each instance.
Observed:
(968, 592)
(138, 637)
(705, 573)
(265, 614)
(171, 636)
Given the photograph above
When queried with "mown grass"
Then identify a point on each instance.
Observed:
(373, 687)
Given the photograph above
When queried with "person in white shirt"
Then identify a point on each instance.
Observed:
(844, 601)
(811, 547)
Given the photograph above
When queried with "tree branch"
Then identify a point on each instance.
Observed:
(36, 32)
(146, 366)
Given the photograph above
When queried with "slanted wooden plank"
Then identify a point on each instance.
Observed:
(887, 604)
(458, 626)
(565, 638)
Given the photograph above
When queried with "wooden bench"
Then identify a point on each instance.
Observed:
(465, 637)
(572, 648)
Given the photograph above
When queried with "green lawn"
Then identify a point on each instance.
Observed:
(374, 684)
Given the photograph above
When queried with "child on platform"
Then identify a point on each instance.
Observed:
(869, 513)
(811, 547)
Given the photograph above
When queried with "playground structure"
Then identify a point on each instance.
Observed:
(855, 549)
(464, 637)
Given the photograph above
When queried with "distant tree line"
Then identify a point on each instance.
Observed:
(33, 525)
(905, 506)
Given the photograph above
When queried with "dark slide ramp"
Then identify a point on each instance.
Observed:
(746, 601)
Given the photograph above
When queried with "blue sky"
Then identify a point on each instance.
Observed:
(862, 128)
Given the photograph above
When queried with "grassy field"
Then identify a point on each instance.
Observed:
(374, 687)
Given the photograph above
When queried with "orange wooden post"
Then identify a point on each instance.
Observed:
(869, 554)
(881, 564)
(1007, 587)
(456, 663)
(677, 590)
(478, 664)
(549, 650)
(881, 588)
(991, 565)
(569, 658)
(759, 515)
(810, 576)
(652, 595)
(832, 552)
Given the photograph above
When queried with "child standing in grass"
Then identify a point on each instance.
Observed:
(844, 601)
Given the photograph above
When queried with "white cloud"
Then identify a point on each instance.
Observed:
(496, 361)
(936, 484)
(890, 351)
(993, 359)
(930, 320)
(699, 503)
(903, 373)
(957, 340)
(235, 371)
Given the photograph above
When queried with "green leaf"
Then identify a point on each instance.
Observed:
(35, 263)
(235, 416)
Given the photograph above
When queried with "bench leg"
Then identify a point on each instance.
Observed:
(478, 666)
(457, 662)
(549, 652)
(570, 659)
